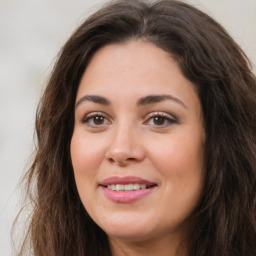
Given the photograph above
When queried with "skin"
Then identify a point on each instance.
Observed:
(131, 139)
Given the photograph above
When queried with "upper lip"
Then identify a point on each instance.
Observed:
(126, 180)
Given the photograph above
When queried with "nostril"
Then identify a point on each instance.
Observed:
(130, 159)
(121, 161)
(111, 160)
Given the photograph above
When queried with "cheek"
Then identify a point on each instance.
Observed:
(85, 156)
(180, 162)
(178, 154)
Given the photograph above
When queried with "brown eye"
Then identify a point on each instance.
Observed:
(159, 120)
(98, 120)
(95, 120)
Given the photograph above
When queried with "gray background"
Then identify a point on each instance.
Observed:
(31, 34)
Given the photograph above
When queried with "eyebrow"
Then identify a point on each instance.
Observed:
(94, 98)
(150, 99)
(158, 98)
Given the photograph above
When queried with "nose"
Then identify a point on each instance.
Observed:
(125, 146)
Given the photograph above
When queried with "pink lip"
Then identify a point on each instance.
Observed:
(126, 196)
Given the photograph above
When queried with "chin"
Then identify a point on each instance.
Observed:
(126, 230)
(134, 235)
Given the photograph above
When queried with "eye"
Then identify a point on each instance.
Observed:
(95, 120)
(160, 119)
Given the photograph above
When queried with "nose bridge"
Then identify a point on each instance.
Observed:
(124, 145)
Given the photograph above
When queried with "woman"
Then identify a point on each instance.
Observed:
(146, 139)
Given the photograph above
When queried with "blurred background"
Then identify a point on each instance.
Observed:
(31, 34)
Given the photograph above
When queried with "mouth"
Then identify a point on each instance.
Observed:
(126, 189)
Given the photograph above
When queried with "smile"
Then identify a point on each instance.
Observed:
(127, 187)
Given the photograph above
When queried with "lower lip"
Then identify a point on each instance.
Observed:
(126, 196)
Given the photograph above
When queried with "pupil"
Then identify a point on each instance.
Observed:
(158, 120)
(98, 119)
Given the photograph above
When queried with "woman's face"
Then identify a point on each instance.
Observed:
(138, 143)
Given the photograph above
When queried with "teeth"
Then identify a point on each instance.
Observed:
(126, 187)
(119, 187)
(136, 186)
(143, 186)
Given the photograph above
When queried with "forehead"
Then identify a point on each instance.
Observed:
(134, 69)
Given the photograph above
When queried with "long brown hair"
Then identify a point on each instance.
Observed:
(225, 218)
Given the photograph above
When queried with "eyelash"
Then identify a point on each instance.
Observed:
(89, 117)
(167, 118)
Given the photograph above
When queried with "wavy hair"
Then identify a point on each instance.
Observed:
(225, 218)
